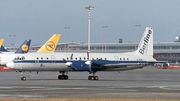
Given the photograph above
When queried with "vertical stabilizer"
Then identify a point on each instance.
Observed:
(51, 44)
(1, 42)
(2, 49)
(24, 48)
(145, 46)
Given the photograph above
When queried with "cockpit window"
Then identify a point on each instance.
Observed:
(19, 58)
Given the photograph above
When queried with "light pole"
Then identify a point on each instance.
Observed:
(137, 36)
(12, 40)
(67, 28)
(89, 9)
(104, 38)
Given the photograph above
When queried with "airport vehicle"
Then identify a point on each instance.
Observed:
(91, 62)
(49, 46)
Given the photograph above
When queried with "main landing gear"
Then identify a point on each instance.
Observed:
(63, 76)
(93, 78)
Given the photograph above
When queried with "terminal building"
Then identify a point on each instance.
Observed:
(163, 51)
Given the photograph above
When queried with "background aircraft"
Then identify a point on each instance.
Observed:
(6, 56)
(49, 46)
(91, 62)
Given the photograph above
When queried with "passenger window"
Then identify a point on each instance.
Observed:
(23, 58)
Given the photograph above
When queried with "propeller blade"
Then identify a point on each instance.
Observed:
(71, 56)
(87, 55)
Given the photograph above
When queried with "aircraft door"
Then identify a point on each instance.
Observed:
(53, 58)
(116, 58)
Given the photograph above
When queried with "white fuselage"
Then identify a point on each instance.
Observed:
(6, 57)
(57, 61)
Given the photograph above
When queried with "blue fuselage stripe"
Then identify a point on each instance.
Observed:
(62, 61)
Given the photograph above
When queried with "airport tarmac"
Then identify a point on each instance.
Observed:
(141, 83)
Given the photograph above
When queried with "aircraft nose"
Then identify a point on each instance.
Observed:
(10, 64)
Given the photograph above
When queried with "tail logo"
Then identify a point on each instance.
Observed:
(50, 46)
(145, 42)
(25, 47)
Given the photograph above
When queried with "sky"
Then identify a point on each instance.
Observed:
(38, 20)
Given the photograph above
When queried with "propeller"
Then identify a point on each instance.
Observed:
(88, 62)
(69, 63)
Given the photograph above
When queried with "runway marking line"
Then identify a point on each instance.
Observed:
(165, 87)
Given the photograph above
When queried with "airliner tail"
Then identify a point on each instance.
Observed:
(51, 44)
(145, 46)
(24, 48)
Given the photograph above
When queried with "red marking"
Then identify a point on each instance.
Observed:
(2, 68)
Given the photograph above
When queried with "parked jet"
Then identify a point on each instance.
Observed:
(91, 62)
(49, 46)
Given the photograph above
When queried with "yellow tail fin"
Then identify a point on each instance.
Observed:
(51, 44)
(1, 42)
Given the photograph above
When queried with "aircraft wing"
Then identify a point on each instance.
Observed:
(121, 65)
(152, 62)
(116, 65)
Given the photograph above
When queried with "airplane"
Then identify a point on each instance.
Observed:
(90, 62)
(49, 46)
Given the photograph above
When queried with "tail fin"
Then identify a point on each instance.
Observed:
(24, 48)
(2, 49)
(145, 46)
(51, 44)
(1, 42)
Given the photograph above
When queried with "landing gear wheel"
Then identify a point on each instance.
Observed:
(93, 78)
(60, 77)
(66, 77)
(63, 77)
(96, 78)
(23, 78)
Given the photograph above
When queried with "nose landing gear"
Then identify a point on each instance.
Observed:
(23, 78)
